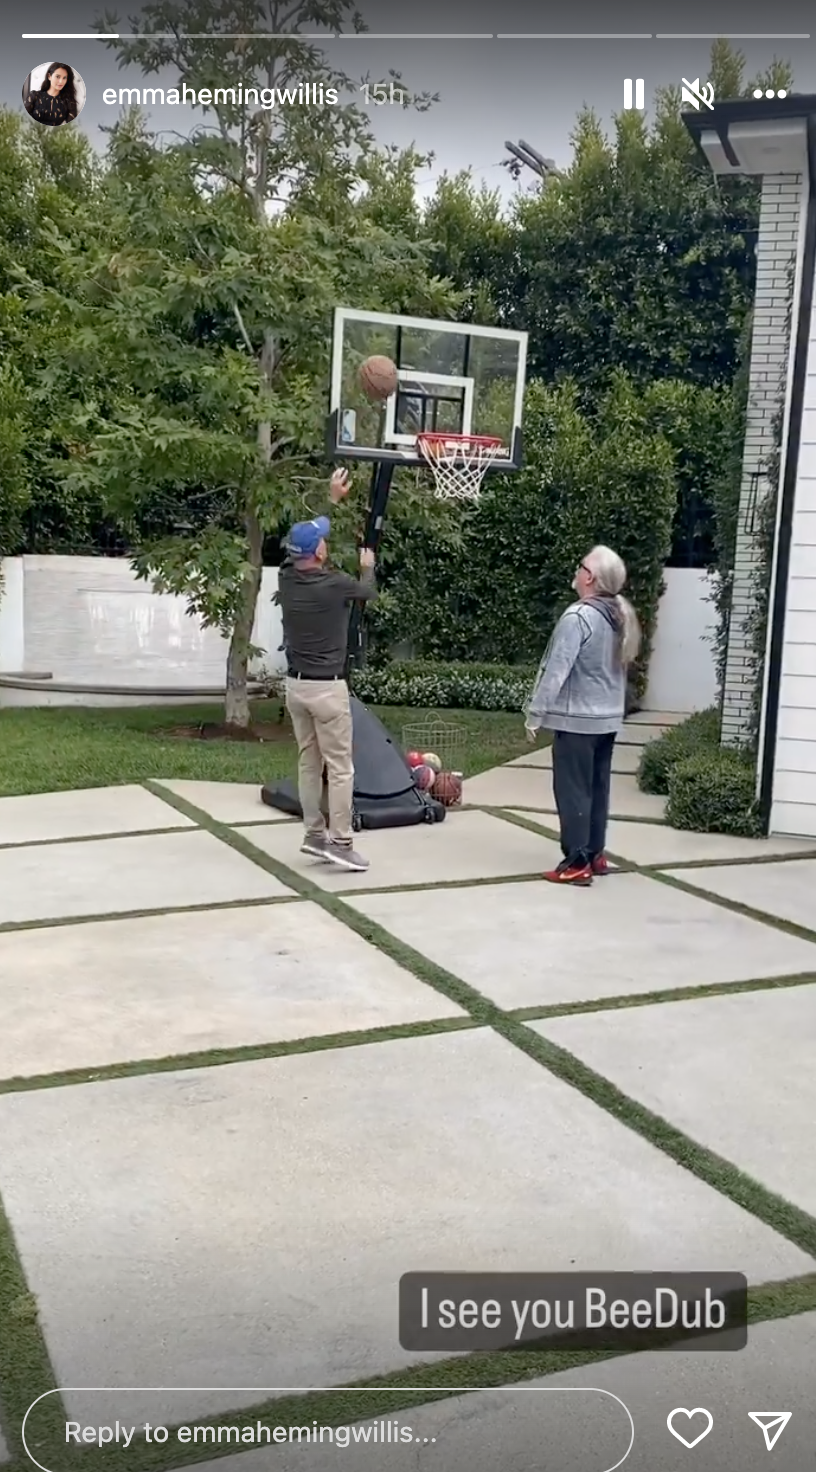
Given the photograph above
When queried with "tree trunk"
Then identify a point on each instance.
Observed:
(236, 707)
(237, 695)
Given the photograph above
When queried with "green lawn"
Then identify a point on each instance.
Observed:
(52, 749)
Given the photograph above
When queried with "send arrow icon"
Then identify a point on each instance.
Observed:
(771, 1424)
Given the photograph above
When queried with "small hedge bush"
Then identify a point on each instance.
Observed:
(700, 733)
(425, 684)
(714, 792)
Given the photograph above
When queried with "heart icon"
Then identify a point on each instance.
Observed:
(698, 1411)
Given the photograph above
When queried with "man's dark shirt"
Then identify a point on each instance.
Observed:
(315, 605)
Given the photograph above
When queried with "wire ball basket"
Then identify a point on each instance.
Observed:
(442, 739)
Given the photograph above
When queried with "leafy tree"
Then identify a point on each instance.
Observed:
(474, 246)
(46, 175)
(635, 258)
(208, 299)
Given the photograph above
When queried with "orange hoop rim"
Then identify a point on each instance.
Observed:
(432, 442)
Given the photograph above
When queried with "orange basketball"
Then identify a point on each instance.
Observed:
(447, 789)
(378, 378)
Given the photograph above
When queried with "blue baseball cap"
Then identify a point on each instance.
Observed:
(306, 536)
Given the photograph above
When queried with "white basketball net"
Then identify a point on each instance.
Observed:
(458, 463)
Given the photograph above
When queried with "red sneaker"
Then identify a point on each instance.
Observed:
(569, 872)
(600, 865)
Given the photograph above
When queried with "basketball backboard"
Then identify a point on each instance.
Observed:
(454, 378)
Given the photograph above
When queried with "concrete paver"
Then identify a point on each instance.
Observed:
(113, 875)
(519, 787)
(659, 718)
(82, 996)
(639, 733)
(784, 891)
(260, 1215)
(528, 945)
(467, 845)
(227, 802)
(650, 843)
(45, 817)
(625, 759)
(735, 1073)
(658, 846)
(570, 1421)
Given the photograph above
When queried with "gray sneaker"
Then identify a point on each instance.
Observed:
(343, 855)
(315, 845)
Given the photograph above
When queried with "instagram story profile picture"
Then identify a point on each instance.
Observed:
(54, 94)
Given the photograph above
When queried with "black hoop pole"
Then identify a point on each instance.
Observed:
(381, 479)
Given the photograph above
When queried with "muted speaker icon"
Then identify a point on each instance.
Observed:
(696, 95)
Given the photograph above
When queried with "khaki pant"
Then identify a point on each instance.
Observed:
(321, 719)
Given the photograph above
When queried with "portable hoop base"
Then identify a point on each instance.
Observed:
(385, 795)
(458, 462)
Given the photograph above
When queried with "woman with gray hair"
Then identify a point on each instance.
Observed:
(580, 695)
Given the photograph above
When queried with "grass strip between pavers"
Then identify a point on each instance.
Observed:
(651, 999)
(412, 1388)
(95, 837)
(450, 986)
(544, 814)
(525, 818)
(10, 927)
(221, 1057)
(25, 1369)
(658, 872)
(419, 888)
(745, 862)
(776, 922)
(390, 1032)
(782, 1216)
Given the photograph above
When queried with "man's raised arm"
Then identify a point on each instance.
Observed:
(364, 588)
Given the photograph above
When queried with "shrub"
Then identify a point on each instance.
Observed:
(714, 792)
(446, 686)
(701, 732)
(493, 588)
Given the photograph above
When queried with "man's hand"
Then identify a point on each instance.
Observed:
(366, 557)
(339, 485)
(531, 735)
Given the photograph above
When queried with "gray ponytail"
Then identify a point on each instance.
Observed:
(610, 577)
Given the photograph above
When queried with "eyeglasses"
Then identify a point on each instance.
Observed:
(582, 567)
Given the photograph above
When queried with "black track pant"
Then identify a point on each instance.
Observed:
(582, 771)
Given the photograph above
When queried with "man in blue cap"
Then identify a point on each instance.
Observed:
(315, 602)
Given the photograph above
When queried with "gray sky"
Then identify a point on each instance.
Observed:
(490, 89)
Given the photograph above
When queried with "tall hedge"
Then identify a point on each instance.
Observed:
(491, 584)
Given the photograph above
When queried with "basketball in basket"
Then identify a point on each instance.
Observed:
(447, 789)
(378, 379)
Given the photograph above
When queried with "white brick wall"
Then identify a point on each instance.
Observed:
(776, 250)
(87, 620)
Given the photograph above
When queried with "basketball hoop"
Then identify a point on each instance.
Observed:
(458, 462)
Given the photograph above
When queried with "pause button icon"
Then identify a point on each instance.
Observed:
(639, 93)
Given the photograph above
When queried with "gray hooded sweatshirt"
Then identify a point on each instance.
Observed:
(581, 682)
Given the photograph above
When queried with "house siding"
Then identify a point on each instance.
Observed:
(793, 807)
